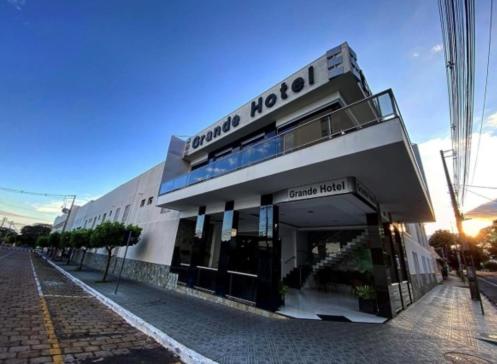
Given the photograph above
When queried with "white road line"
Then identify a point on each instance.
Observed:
(185, 353)
(6, 255)
(66, 296)
(487, 281)
(38, 286)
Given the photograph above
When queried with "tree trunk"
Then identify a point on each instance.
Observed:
(69, 256)
(82, 260)
(109, 256)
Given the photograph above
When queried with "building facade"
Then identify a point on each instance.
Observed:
(313, 186)
(134, 202)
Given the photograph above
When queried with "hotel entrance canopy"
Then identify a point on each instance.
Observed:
(366, 140)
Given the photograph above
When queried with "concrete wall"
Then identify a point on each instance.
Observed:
(150, 273)
(153, 253)
(422, 263)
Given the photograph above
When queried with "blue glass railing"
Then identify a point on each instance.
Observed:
(364, 113)
(252, 155)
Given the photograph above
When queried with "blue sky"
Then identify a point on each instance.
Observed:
(91, 91)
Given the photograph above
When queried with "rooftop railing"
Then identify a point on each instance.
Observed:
(364, 113)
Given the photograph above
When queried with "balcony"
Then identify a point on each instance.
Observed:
(370, 111)
(366, 140)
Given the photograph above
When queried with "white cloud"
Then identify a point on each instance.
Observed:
(52, 207)
(437, 48)
(415, 54)
(492, 120)
(485, 175)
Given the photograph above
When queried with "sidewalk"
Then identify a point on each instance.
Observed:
(444, 324)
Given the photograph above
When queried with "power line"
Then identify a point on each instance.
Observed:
(486, 187)
(485, 89)
(482, 196)
(457, 19)
(7, 189)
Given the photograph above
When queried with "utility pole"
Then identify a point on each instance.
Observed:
(65, 225)
(457, 213)
(69, 213)
(471, 271)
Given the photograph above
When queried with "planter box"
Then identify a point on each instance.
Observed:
(368, 306)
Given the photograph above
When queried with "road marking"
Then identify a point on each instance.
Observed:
(487, 281)
(6, 255)
(38, 286)
(55, 350)
(185, 353)
(65, 296)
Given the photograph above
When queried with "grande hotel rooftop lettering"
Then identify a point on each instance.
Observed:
(256, 107)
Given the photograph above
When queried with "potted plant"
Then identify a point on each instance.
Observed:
(283, 290)
(367, 299)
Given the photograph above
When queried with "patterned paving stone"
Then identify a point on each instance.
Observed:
(442, 321)
(63, 324)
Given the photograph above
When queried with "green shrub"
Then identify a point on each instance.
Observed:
(365, 292)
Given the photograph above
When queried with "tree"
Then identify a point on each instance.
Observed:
(80, 239)
(4, 232)
(30, 233)
(443, 241)
(12, 239)
(476, 251)
(65, 242)
(54, 242)
(42, 241)
(110, 235)
(487, 237)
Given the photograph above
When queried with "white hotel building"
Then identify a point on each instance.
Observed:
(313, 184)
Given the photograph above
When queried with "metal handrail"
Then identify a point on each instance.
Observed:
(289, 259)
(206, 268)
(242, 274)
(281, 136)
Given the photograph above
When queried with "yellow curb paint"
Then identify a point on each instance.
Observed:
(55, 350)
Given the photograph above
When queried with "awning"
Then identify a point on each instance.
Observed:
(486, 211)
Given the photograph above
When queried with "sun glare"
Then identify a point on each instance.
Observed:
(473, 226)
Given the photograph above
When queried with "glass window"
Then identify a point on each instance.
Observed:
(116, 215)
(150, 200)
(227, 226)
(416, 263)
(266, 221)
(199, 226)
(126, 213)
(142, 203)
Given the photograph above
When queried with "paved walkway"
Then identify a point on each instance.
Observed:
(45, 318)
(440, 328)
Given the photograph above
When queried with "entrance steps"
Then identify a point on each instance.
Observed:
(336, 257)
(302, 276)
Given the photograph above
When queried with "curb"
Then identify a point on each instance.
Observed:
(186, 354)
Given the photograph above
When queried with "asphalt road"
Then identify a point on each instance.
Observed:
(488, 285)
(45, 318)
